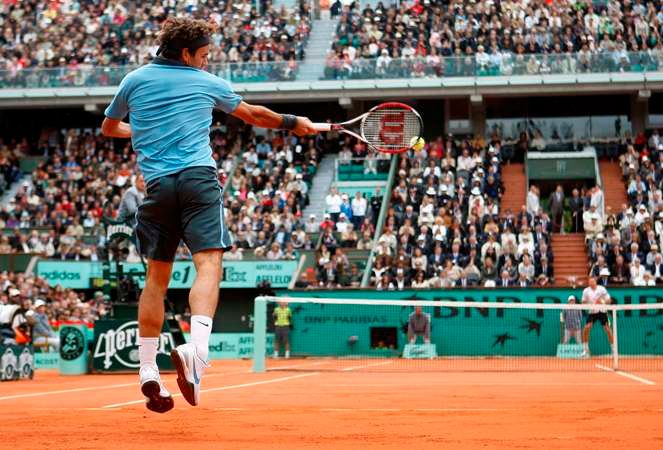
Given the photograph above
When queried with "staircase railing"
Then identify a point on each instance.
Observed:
(381, 219)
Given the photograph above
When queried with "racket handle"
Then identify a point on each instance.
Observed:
(322, 126)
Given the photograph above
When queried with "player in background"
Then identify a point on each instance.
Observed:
(170, 103)
(572, 319)
(282, 321)
(595, 294)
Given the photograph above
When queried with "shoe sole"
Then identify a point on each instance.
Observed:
(186, 388)
(156, 402)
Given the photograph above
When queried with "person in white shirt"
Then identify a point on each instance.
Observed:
(596, 295)
(637, 272)
(334, 201)
(359, 206)
(533, 203)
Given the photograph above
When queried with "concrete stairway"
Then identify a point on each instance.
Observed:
(613, 187)
(570, 258)
(513, 179)
(319, 43)
(321, 184)
(11, 191)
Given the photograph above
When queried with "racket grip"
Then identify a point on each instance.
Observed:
(322, 126)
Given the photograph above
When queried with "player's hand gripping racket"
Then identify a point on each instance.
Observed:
(387, 128)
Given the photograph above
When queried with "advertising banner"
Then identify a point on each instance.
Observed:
(16, 362)
(116, 346)
(233, 345)
(236, 274)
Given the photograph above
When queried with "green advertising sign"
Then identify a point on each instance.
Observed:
(233, 345)
(333, 330)
(236, 274)
(116, 346)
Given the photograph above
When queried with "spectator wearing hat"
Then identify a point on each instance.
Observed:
(42, 332)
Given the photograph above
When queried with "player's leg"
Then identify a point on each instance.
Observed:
(608, 331)
(158, 236)
(277, 341)
(585, 336)
(286, 341)
(577, 336)
(567, 336)
(204, 232)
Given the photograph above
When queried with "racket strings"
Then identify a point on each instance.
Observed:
(391, 129)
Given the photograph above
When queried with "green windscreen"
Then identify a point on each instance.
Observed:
(561, 169)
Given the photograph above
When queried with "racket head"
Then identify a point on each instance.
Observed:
(390, 127)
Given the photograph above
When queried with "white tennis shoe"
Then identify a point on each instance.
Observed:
(190, 369)
(158, 398)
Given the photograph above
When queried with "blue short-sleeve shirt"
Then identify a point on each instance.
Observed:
(170, 107)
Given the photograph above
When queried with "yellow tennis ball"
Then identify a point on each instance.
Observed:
(417, 143)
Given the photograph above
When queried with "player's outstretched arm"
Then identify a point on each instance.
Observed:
(115, 128)
(262, 117)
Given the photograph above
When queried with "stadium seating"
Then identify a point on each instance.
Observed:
(625, 245)
(53, 44)
(436, 38)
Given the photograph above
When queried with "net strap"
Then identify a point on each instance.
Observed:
(462, 304)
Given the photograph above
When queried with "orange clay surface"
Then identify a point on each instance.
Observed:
(315, 404)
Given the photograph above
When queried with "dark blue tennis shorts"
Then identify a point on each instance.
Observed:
(187, 205)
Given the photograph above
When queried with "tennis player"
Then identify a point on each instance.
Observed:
(595, 294)
(170, 103)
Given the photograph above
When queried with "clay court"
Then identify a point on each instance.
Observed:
(344, 404)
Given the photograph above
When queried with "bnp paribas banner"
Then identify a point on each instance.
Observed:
(236, 274)
(328, 329)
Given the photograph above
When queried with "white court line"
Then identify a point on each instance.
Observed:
(627, 375)
(115, 386)
(223, 388)
(363, 366)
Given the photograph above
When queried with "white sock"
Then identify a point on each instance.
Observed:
(585, 347)
(276, 354)
(147, 351)
(201, 328)
(287, 353)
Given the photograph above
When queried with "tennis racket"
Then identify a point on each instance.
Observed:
(387, 128)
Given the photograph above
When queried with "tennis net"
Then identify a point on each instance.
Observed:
(376, 335)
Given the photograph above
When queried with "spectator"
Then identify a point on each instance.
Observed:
(334, 201)
(131, 200)
(556, 205)
(42, 332)
(533, 204)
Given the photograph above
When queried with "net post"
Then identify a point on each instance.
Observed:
(615, 347)
(259, 333)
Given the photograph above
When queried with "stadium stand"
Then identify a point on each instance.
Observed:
(454, 38)
(625, 245)
(444, 227)
(92, 43)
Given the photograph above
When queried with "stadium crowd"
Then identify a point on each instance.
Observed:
(88, 42)
(445, 228)
(625, 246)
(10, 152)
(81, 180)
(32, 311)
(495, 38)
